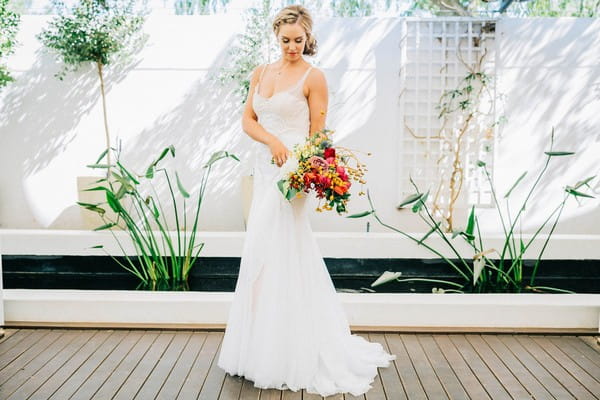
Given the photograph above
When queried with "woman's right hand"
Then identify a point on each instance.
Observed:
(278, 151)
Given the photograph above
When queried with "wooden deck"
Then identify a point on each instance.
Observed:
(159, 364)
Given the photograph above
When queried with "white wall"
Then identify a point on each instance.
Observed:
(49, 130)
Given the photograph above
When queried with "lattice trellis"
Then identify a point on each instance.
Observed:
(437, 54)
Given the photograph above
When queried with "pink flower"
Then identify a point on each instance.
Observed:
(316, 162)
(341, 171)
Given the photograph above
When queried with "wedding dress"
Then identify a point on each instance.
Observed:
(286, 327)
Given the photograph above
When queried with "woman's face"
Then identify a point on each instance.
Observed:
(292, 39)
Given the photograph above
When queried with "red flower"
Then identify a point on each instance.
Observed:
(341, 171)
(329, 152)
(330, 160)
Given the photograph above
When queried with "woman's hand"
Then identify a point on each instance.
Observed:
(278, 151)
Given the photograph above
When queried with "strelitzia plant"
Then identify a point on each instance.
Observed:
(479, 272)
(161, 261)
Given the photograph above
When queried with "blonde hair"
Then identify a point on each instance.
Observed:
(297, 14)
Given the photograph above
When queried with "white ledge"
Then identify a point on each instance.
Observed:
(371, 311)
(332, 244)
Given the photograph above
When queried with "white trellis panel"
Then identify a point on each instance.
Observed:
(436, 54)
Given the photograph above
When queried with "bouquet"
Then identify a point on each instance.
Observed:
(318, 166)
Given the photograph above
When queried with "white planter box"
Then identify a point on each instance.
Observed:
(368, 311)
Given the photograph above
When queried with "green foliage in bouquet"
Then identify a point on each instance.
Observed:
(161, 261)
(94, 31)
(9, 26)
(480, 273)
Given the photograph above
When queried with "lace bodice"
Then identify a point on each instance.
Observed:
(285, 114)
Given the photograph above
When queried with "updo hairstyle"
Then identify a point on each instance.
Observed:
(297, 14)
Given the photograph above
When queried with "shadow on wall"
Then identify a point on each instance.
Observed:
(552, 67)
(208, 119)
(38, 121)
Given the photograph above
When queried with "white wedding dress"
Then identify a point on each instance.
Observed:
(286, 327)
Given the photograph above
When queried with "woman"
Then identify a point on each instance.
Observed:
(286, 327)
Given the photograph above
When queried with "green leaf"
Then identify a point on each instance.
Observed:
(106, 226)
(515, 184)
(280, 185)
(410, 199)
(184, 193)
(92, 207)
(583, 182)
(98, 166)
(559, 153)
(578, 194)
(471, 223)
(360, 215)
(150, 172)
(113, 202)
(101, 156)
(130, 175)
(97, 247)
(433, 229)
(481, 163)
(291, 193)
(95, 188)
(420, 203)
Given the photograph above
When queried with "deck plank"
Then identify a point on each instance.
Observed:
(538, 370)
(376, 392)
(19, 362)
(181, 369)
(577, 357)
(529, 382)
(118, 376)
(392, 385)
(35, 365)
(73, 382)
(444, 371)
(215, 377)
(81, 364)
(139, 375)
(12, 337)
(467, 377)
(70, 366)
(12, 352)
(53, 365)
(497, 367)
(199, 370)
(155, 380)
(93, 383)
(558, 372)
(568, 364)
(406, 371)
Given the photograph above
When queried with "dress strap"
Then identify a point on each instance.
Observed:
(260, 77)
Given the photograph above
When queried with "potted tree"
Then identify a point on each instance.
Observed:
(95, 33)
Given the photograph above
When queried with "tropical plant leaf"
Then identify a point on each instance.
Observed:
(129, 174)
(105, 226)
(583, 182)
(559, 153)
(386, 277)
(409, 200)
(471, 223)
(92, 207)
(515, 184)
(184, 193)
(478, 265)
(101, 156)
(360, 215)
(420, 203)
(578, 194)
(98, 166)
(433, 229)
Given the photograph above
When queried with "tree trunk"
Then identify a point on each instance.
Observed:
(99, 64)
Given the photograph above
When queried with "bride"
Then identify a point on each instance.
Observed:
(286, 327)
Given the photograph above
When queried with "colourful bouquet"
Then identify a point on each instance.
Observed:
(317, 165)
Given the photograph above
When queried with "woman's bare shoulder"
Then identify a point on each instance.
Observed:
(316, 77)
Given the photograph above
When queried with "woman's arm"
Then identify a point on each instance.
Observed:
(255, 130)
(317, 100)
